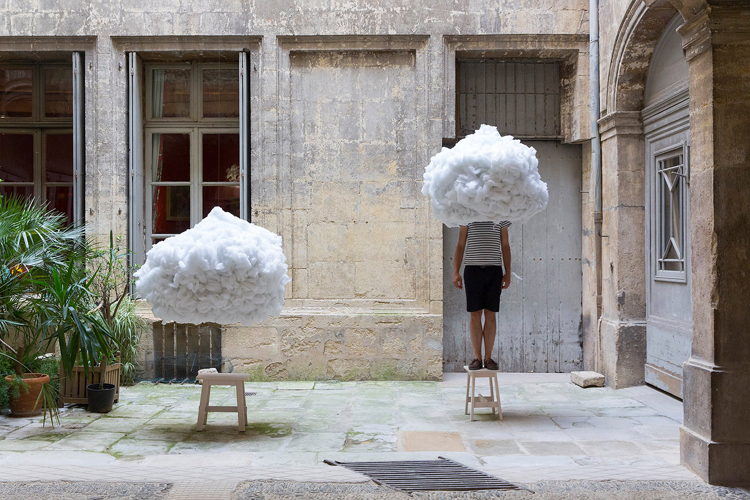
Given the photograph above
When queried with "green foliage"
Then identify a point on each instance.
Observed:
(127, 330)
(111, 283)
(56, 290)
(39, 255)
(6, 368)
(48, 293)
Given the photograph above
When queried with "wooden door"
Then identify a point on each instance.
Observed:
(539, 323)
(669, 306)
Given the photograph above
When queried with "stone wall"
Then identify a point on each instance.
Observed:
(348, 103)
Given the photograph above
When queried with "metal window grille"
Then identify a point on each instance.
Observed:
(521, 98)
(671, 211)
(180, 350)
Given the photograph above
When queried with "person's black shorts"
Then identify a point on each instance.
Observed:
(483, 285)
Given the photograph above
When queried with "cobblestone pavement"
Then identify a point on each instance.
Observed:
(552, 430)
(547, 490)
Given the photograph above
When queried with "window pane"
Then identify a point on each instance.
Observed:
(171, 93)
(58, 93)
(221, 93)
(170, 209)
(60, 198)
(59, 157)
(17, 157)
(25, 191)
(221, 157)
(170, 158)
(226, 197)
(15, 93)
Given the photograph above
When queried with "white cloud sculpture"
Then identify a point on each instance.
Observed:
(485, 177)
(224, 270)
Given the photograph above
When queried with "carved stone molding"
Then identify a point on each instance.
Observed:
(42, 47)
(229, 43)
(620, 123)
(353, 42)
(714, 26)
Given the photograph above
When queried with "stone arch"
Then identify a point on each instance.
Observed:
(636, 39)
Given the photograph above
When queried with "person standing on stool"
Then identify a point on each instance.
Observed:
(487, 251)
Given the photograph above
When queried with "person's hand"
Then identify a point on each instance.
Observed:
(457, 281)
(506, 281)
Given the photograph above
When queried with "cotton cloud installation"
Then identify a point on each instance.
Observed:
(485, 177)
(224, 270)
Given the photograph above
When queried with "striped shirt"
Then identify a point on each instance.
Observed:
(484, 244)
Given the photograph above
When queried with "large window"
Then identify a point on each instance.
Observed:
(36, 133)
(671, 213)
(192, 144)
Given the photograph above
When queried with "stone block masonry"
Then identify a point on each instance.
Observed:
(341, 347)
(322, 347)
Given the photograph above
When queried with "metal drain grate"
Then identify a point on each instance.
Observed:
(428, 475)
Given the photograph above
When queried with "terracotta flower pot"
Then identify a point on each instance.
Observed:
(26, 405)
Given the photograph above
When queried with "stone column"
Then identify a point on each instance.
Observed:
(715, 438)
(623, 321)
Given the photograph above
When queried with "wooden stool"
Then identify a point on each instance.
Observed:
(235, 379)
(480, 401)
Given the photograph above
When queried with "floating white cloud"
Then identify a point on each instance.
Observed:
(485, 177)
(224, 270)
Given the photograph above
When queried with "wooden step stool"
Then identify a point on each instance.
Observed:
(480, 401)
(235, 379)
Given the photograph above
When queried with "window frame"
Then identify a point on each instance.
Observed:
(195, 125)
(658, 246)
(196, 93)
(38, 105)
(43, 167)
(40, 126)
(35, 87)
(42, 82)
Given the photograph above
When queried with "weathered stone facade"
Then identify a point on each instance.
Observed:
(348, 103)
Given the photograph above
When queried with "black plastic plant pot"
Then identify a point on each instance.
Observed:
(101, 398)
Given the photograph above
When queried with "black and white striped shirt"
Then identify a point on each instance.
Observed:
(484, 244)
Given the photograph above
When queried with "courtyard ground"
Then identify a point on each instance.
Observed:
(552, 430)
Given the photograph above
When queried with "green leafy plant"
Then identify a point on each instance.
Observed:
(111, 284)
(128, 327)
(32, 242)
(46, 297)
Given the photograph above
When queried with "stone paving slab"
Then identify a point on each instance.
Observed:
(551, 429)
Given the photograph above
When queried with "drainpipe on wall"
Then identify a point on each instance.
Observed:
(596, 163)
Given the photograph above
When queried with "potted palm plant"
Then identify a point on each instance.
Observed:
(45, 301)
(110, 286)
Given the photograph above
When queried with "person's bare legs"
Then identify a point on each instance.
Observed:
(488, 333)
(475, 330)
